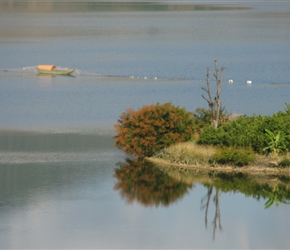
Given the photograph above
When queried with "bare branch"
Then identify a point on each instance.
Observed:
(205, 99)
(214, 104)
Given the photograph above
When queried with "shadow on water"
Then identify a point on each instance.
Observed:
(152, 185)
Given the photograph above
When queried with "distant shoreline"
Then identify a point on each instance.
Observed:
(111, 6)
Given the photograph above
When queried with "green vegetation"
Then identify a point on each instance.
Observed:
(202, 118)
(276, 143)
(249, 131)
(159, 130)
(234, 156)
(155, 130)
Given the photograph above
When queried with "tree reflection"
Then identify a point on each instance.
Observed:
(276, 195)
(205, 205)
(153, 185)
(141, 181)
(275, 189)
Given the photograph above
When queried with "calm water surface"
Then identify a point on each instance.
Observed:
(62, 182)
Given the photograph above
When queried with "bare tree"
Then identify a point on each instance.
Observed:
(214, 103)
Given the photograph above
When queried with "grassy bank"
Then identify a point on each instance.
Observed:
(189, 155)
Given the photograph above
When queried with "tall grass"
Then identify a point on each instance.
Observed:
(187, 153)
(201, 155)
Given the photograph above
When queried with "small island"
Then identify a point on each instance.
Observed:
(192, 157)
(208, 139)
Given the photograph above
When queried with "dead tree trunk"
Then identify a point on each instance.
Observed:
(214, 103)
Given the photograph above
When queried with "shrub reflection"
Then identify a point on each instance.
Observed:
(153, 185)
(275, 189)
(143, 182)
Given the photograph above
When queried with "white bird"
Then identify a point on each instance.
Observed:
(249, 82)
(231, 81)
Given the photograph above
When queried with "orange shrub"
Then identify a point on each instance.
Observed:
(152, 128)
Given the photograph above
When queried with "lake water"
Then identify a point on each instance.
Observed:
(62, 182)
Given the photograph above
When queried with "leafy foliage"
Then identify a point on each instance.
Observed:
(152, 128)
(248, 131)
(202, 118)
(234, 156)
(276, 143)
(287, 108)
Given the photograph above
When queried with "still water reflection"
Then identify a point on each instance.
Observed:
(59, 186)
(152, 185)
(66, 191)
(147, 184)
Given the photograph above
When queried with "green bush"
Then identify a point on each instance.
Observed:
(234, 156)
(202, 118)
(248, 131)
(276, 143)
(152, 128)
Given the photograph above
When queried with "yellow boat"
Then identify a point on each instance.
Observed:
(51, 69)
